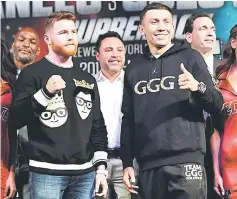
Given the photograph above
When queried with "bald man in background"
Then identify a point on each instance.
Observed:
(25, 49)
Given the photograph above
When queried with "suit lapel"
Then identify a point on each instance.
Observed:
(216, 63)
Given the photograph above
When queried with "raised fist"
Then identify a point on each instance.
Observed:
(55, 84)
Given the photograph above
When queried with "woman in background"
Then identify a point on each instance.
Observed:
(8, 134)
(224, 138)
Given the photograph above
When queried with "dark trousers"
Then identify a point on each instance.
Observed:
(181, 181)
(22, 181)
(22, 169)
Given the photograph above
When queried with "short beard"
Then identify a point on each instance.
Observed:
(24, 60)
(63, 51)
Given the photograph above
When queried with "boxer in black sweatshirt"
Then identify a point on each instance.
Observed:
(165, 93)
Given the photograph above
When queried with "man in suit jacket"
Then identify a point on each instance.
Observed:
(200, 33)
(25, 48)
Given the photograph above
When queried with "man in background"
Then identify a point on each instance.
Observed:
(111, 57)
(25, 48)
(200, 33)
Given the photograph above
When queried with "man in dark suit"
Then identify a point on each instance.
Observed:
(25, 48)
(200, 33)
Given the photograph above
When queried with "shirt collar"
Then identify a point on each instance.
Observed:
(18, 73)
(209, 57)
(100, 76)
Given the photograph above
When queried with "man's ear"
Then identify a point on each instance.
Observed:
(38, 51)
(188, 37)
(47, 39)
(141, 29)
(97, 56)
(13, 44)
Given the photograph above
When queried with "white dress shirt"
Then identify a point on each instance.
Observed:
(111, 95)
(210, 65)
(18, 73)
(209, 61)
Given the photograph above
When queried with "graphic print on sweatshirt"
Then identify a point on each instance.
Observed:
(84, 98)
(56, 113)
(155, 85)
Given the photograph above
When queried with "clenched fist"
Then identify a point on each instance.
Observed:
(55, 84)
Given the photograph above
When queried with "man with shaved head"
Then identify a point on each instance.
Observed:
(25, 48)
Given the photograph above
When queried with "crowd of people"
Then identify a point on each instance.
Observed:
(163, 127)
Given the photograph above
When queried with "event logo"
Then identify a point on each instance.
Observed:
(27, 9)
(98, 17)
(94, 25)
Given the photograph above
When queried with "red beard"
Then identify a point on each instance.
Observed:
(64, 50)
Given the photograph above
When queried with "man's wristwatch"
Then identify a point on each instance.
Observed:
(100, 171)
(202, 87)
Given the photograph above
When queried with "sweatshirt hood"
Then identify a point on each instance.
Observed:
(178, 46)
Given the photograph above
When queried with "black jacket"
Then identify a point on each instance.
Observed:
(163, 125)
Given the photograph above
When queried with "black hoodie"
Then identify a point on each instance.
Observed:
(163, 125)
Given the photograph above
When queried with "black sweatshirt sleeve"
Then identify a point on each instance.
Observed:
(98, 136)
(211, 100)
(127, 129)
(29, 100)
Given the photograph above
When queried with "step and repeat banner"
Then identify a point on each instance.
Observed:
(98, 17)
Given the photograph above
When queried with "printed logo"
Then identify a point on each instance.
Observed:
(154, 85)
(4, 113)
(83, 84)
(193, 172)
(84, 104)
(84, 98)
(56, 113)
(230, 107)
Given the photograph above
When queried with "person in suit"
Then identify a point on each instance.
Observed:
(25, 48)
(201, 35)
(111, 56)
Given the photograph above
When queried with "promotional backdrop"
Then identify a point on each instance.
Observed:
(98, 17)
